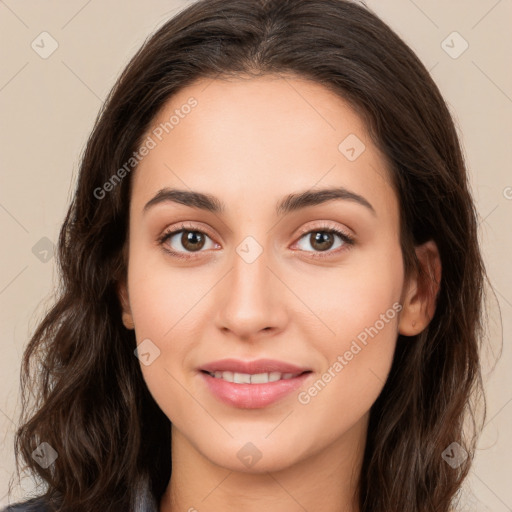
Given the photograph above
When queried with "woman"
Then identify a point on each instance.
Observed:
(318, 347)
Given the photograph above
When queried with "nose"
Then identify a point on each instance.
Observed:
(251, 301)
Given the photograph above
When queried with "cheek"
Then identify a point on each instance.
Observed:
(356, 363)
(359, 309)
(163, 296)
(354, 296)
(168, 308)
(165, 306)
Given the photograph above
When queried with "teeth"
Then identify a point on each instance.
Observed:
(246, 378)
(241, 378)
(273, 376)
(226, 376)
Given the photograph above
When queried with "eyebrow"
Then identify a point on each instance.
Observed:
(290, 203)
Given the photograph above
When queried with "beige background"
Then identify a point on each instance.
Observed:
(48, 107)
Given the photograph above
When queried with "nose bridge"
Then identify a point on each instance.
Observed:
(250, 272)
(249, 301)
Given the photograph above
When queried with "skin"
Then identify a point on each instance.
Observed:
(250, 143)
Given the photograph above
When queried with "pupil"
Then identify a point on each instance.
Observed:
(320, 238)
(190, 239)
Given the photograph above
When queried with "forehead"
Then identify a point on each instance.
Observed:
(247, 140)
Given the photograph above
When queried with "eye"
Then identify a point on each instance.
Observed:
(185, 240)
(323, 239)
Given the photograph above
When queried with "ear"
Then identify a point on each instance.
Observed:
(420, 292)
(122, 292)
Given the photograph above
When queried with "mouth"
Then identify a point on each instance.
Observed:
(259, 367)
(256, 378)
(254, 384)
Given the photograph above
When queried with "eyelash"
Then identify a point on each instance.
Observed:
(348, 240)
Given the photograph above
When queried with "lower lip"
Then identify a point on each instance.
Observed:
(252, 396)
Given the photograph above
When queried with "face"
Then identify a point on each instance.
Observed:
(266, 267)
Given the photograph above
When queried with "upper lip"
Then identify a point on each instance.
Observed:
(253, 367)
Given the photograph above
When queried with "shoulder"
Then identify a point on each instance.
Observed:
(32, 505)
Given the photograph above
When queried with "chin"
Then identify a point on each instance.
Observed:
(258, 456)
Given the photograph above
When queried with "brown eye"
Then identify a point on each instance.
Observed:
(321, 240)
(192, 240)
(184, 241)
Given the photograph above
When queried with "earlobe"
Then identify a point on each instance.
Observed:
(128, 320)
(420, 293)
(126, 317)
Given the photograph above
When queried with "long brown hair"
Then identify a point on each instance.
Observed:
(91, 403)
